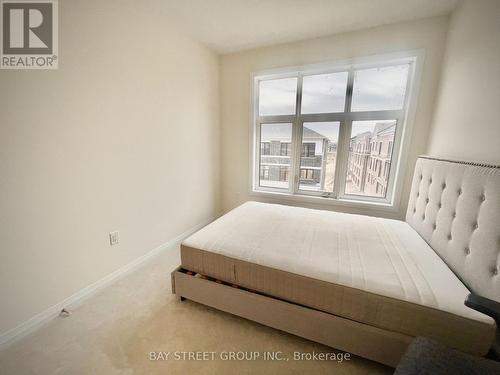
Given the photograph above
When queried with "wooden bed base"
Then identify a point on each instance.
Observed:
(379, 345)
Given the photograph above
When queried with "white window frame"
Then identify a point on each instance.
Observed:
(404, 118)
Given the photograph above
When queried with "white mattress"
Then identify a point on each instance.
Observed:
(381, 256)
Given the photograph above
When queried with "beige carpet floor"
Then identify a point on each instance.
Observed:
(114, 332)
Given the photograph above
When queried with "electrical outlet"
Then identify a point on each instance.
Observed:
(114, 238)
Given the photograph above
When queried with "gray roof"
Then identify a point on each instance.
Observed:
(309, 133)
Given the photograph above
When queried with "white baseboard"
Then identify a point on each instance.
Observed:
(45, 316)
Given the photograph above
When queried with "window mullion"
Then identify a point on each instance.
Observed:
(276, 119)
(348, 95)
(257, 155)
(376, 115)
(343, 144)
(297, 139)
(322, 117)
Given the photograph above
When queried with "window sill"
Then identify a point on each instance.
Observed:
(325, 201)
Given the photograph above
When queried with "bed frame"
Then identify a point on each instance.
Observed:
(357, 338)
(436, 194)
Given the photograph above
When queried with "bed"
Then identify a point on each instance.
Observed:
(362, 284)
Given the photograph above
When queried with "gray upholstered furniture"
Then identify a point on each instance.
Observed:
(428, 357)
(453, 211)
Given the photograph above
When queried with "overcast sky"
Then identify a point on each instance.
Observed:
(374, 89)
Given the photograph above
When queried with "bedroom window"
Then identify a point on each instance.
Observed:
(333, 131)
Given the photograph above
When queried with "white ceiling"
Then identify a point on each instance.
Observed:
(231, 25)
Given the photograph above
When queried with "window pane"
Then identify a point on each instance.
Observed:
(370, 157)
(324, 93)
(380, 88)
(277, 96)
(318, 156)
(275, 155)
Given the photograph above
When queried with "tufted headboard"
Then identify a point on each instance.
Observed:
(455, 207)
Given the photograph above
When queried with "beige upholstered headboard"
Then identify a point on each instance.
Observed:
(455, 207)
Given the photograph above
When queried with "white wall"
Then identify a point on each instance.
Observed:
(236, 69)
(124, 136)
(466, 125)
